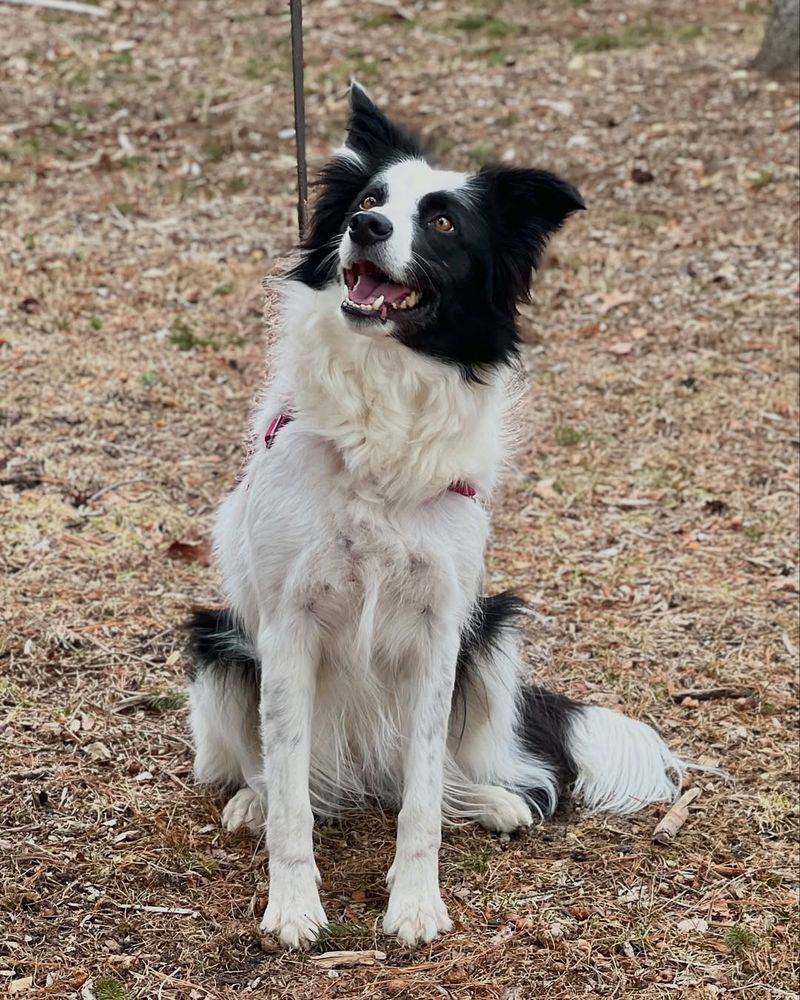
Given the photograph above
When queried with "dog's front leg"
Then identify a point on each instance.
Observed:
(288, 680)
(416, 911)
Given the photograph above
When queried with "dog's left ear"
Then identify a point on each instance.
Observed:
(374, 136)
(528, 206)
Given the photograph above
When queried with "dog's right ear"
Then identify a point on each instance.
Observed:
(372, 135)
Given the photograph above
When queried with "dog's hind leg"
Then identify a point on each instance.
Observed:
(535, 743)
(492, 778)
(492, 806)
(223, 703)
(245, 808)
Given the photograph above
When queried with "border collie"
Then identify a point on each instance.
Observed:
(357, 661)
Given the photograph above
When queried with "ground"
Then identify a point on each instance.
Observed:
(146, 187)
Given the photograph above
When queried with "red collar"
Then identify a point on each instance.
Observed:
(459, 486)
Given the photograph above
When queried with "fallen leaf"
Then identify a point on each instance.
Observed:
(639, 175)
(693, 925)
(97, 751)
(190, 552)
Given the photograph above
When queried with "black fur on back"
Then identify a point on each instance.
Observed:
(218, 643)
(491, 618)
(545, 716)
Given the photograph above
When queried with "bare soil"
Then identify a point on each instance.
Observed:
(146, 187)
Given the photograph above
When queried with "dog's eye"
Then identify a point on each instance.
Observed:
(442, 224)
(370, 201)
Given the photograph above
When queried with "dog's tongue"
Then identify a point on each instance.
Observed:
(368, 287)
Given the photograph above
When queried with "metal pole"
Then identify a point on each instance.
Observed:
(296, 11)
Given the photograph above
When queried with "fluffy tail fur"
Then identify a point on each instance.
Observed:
(611, 762)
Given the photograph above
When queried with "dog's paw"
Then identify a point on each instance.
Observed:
(416, 919)
(294, 913)
(503, 811)
(245, 808)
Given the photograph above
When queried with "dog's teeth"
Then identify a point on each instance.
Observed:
(377, 303)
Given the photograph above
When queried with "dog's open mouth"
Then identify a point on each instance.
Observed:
(373, 294)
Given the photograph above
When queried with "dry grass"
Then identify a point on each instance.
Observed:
(145, 187)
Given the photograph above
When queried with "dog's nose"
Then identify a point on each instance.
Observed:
(367, 228)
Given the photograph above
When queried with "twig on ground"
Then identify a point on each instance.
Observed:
(666, 831)
(347, 959)
(66, 6)
(181, 911)
(110, 488)
(711, 694)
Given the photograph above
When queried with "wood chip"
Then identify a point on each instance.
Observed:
(668, 828)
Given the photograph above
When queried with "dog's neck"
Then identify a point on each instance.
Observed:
(404, 425)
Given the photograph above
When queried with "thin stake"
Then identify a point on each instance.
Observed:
(296, 10)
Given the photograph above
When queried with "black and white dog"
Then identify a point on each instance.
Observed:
(358, 661)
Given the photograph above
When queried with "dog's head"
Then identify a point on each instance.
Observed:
(436, 259)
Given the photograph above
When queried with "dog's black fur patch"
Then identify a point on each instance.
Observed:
(491, 618)
(218, 644)
(545, 726)
(545, 717)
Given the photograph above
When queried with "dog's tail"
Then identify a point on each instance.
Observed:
(224, 682)
(613, 763)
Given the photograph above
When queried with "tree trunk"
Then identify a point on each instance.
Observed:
(779, 54)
